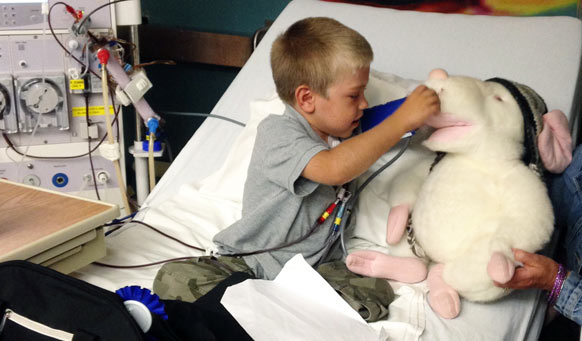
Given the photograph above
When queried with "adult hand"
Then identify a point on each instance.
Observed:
(537, 272)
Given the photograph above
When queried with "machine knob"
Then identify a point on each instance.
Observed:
(3, 104)
(73, 44)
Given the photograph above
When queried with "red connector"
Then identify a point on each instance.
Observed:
(76, 14)
(103, 56)
(327, 212)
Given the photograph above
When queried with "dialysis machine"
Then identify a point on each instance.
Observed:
(52, 114)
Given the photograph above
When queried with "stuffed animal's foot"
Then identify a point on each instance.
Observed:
(500, 268)
(397, 221)
(380, 265)
(443, 299)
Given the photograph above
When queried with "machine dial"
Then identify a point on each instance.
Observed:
(41, 97)
(4, 102)
(42, 102)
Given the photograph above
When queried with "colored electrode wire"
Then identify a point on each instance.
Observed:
(361, 188)
(346, 198)
(324, 216)
(341, 223)
(335, 228)
(327, 212)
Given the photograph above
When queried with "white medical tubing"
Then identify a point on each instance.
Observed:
(152, 170)
(105, 89)
(122, 79)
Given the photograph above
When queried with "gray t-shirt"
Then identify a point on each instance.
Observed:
(279, 205)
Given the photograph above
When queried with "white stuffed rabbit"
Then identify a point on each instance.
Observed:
(485, 197)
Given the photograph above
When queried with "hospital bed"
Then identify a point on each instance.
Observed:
(201, 192)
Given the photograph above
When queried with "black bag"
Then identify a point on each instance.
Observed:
(36, 302)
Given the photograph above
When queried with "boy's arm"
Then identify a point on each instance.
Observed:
(354, 156)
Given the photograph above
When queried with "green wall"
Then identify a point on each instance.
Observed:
(196, 87)
(191, 87)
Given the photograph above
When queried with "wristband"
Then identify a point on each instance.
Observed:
(558, 284)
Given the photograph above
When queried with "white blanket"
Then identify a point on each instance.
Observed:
(198, 196)
(201, 209)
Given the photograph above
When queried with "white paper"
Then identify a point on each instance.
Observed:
(297, 305)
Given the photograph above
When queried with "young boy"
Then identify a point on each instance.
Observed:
(321, 69)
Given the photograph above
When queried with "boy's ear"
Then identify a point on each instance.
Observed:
(305, 98)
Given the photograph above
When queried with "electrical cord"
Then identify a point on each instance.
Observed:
(153, 263)
(90, 153)
(155, 62)
(13, 147)
(141, 265)
(59, 42)
(204, 115)
(359, 190)
(47, 19)
(167, 235)
(345, 222)
(349, 206)
(116, 110)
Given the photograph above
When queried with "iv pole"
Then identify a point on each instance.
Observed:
(128, 13)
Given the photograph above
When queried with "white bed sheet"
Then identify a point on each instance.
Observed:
(199, 195)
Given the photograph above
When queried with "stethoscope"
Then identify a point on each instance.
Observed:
(341, 208)
(345, 200)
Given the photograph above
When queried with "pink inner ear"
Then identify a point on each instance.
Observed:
(555, 142)
(449, 133)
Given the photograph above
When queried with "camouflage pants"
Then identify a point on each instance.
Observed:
(191, 279)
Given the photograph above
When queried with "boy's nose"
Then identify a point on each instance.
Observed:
(363, 103)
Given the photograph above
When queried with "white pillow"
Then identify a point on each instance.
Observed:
(385, 87)
(228, 182)
(373, 207)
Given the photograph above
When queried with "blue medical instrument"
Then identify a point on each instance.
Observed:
(374, 115)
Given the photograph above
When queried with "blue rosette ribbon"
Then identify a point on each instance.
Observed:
(144, 296)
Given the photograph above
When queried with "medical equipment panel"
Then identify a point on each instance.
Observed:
(52, 116)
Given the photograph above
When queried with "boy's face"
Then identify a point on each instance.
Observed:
(339, 114)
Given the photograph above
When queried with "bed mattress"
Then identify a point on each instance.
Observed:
(201, 192)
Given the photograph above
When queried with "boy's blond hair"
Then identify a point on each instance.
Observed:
(316, 52)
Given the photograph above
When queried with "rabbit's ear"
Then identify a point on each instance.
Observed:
(555, 142)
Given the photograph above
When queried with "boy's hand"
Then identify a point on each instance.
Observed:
(419, 106)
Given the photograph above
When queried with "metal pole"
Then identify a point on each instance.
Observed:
(134, 37)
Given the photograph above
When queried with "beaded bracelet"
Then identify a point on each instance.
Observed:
(558, 284)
